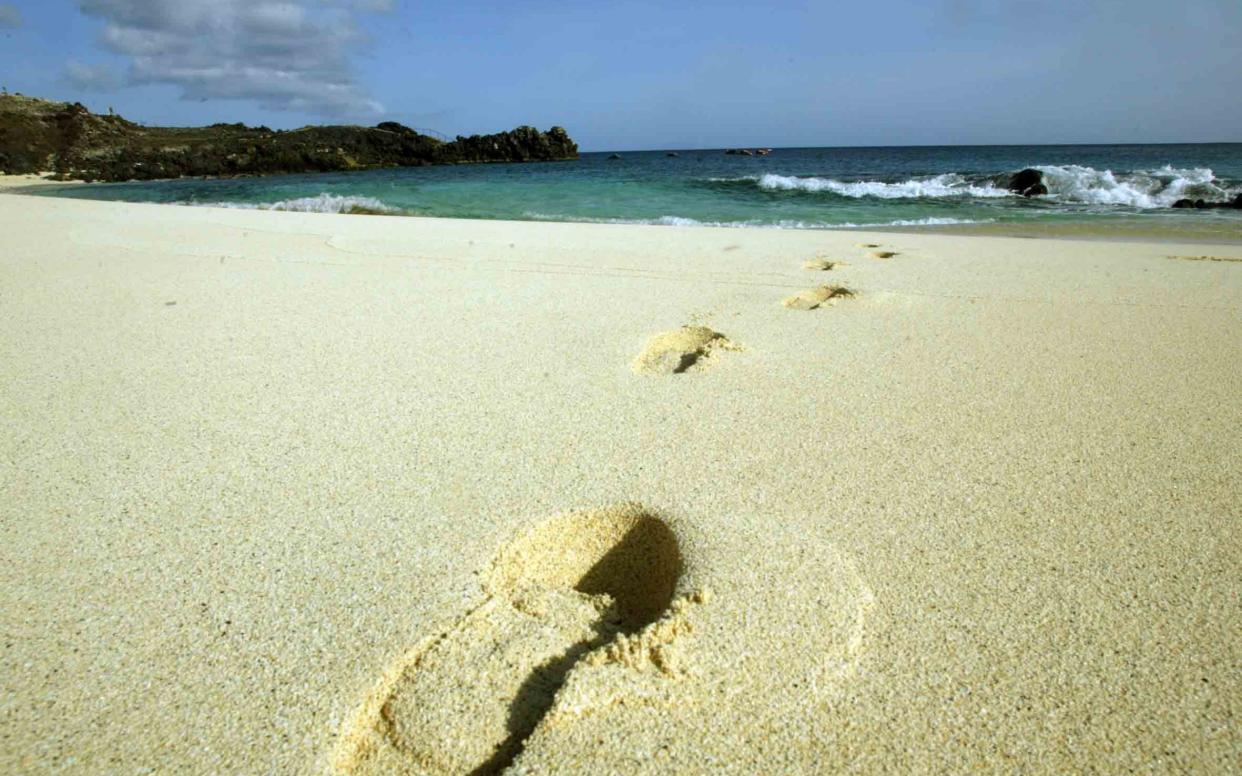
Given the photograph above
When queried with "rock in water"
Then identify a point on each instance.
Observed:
(1199, 204)
(1028, 183)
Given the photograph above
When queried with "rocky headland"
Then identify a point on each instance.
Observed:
(39, 135)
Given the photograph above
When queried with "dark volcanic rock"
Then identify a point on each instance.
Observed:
(1028, 183)
(38, 135)
(1199, 204)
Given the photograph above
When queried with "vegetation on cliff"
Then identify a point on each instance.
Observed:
(40, 135)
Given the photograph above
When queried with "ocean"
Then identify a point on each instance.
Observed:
(1094, 189)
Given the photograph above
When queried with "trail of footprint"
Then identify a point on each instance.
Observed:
(882, 254)
(680, 350)
(582, 588)
(814, 298)
(822, 265)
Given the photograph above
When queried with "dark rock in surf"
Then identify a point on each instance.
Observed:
(1199, 204)
(1028, 183)
(615, 156)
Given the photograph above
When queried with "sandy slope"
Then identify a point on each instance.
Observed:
(293, 493)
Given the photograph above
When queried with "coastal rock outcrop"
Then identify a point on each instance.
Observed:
(1199, 204)
(38, 135)
(1028, 183)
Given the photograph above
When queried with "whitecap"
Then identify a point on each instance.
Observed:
(946, 185)
(1142, 189)
(321, 203)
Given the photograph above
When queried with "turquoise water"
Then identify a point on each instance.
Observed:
(1109, 187)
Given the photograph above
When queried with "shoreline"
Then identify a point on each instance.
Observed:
(1056, 230)
(907, 502)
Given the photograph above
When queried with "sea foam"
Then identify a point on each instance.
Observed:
(1067, 184)
(321, 203)
(946, 185)
(1142, 189)
(755, 224)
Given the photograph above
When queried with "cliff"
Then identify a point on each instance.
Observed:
(38, 135)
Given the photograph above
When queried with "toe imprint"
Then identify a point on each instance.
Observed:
(816, 297)
(680, 350)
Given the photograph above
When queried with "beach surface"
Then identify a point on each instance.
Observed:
(304, 493)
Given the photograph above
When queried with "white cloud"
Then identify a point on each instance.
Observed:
(10, 16)
(284, 54)
(91, 78)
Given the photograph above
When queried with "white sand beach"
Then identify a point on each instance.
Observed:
(296, 493)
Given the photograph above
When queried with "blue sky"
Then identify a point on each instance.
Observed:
(630, 75)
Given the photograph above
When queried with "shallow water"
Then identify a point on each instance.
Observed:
(1114, 190)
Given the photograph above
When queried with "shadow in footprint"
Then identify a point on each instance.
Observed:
(534, 699)
(467, 701)
(678, 351)
(814, 298)
(638, 575)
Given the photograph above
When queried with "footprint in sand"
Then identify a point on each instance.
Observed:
(814, 298)
(877, 254)
(680, 350)
(596, 588)
(779, 641)
(820, 265)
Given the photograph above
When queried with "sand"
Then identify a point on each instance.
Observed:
(295, 493)
(28, 180)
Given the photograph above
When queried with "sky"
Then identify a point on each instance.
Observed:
(659, 75)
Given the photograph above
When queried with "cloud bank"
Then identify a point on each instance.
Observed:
(288, 55)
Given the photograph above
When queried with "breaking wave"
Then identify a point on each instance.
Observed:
(321, 203)
(947, 185)
(753, 224)
(1067, 184)
(1143, 189)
